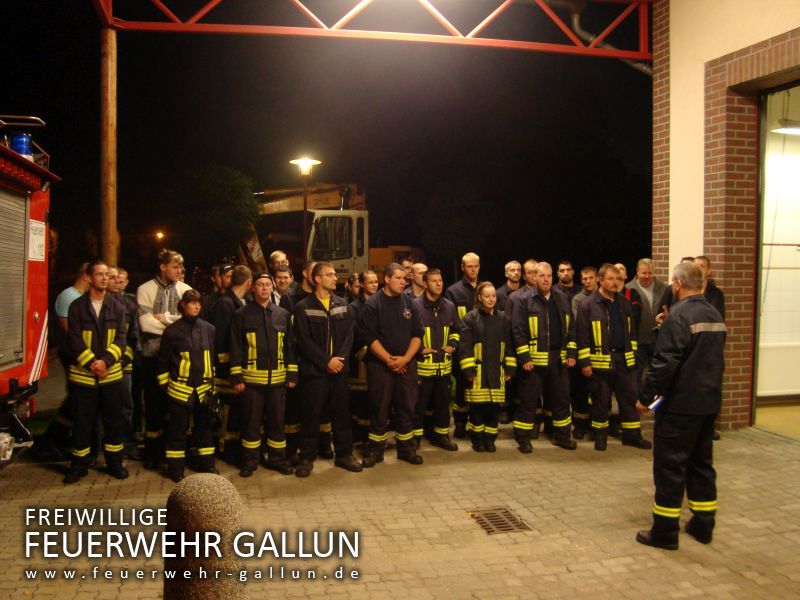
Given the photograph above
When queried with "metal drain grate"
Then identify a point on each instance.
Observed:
(498, 520)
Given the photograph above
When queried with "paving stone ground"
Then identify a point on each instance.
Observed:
(417, 539)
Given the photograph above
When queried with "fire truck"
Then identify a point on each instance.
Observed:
(338, 229)
(24, 229)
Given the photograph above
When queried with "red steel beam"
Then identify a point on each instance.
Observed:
(193, 25)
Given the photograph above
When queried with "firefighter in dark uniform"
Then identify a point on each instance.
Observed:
(606, 357)
(462, 294)
(486, 351)
(226, 305)
(357, 379)
(324, 332)
(186, 374)
(293, 401)
(544, 337)
(392, 331)
(435, 362)
(95, 344)
(686, 372)
(263, 365)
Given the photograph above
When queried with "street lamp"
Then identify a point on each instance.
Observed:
(159, 235)
(305, 165)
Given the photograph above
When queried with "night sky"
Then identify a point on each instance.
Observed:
(559, 145)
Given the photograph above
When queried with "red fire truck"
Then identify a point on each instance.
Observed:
(24, 229)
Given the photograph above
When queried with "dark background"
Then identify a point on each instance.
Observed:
(559, 146)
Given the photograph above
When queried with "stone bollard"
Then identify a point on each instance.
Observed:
(200, 503)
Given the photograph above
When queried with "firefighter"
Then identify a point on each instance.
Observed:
(324, 333)
(513, 273)
(186, 375)
(581, 417)
(686, 372)
(606, 356)
(293, 401)
(262, 367)
(357, 379)
(462, 294)
(230, 301)
(95, 345)
(435, 362)
(158, 307)
(392, 331)
(488, 362)
(544, 337)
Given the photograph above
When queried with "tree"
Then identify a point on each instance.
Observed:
(456, 220)
(213, 211)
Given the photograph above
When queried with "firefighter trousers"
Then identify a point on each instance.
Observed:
(262, 406)
(483, 420)
(460, 408)
(391, 390)
(433, 403)
(202, 429)
(325, 401)
(106, 400)
(551, 381)
(682, 461)
(155, 408)
(622, 382)
(579, 395)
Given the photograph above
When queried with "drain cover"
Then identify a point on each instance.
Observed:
(498, 520)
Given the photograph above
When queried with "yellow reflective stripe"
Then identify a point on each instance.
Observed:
(441, 430)
(511, 361)
(205, 451)
(418, 432)
(325, 428)
(374, 437)
(280, 349)
(630, 359)
(403, 437)
(115, 351)
(223, 357)
(583, 353)
(183, 368)
(563, 422)
(85, 357)
(129, 352)
(459, 409)
(706, 506)
(434, 370)
(521, 349)
(252, 348)
(293, 428)
(207, 360)
(426, 343)
(236, 370)
(572, 346)
(467, 363)
(522, 425)
(597, 334)
(533, 327)
(600, 424)
(462, 310)
(176, 453)
(80, 453)
(264, 377)
(478, 352)
(154, 434)
(665, 511)
(568, 318)
(631, 424)
(112, 447)
(251, 445)
(475, 428)
(86, 334)
(634, 345)
(110, 335)
(490, 430)
(454, 337)
(291, 368)
(162, 378)
(276, 444)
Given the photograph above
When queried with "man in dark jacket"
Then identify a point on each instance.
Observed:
(324, 333)
(684, 388)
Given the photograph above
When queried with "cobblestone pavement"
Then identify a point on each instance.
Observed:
(417, 539)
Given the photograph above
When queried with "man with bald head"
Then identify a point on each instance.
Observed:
(417, 287)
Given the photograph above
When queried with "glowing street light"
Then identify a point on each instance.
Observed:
(159, 235)
(305, 165)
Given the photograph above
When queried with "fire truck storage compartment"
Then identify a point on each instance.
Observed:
(13, 229)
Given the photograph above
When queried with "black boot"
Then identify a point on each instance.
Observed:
(77, 471)
(537, 426)
(117, 471)
(600, 439)
(488, 444)
(325, 450)
(634, 438)
(524, 445)
(579, 431)
(444, 442)
(460, 430)
(276, 461)
(372, 456)
(477, 442)
(562, 439)
(409, 455)
(701, 528)
(663, 533)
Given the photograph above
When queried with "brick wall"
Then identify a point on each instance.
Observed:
(660, 252)
(733, 84)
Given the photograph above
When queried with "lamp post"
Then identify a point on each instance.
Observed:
(305, 165)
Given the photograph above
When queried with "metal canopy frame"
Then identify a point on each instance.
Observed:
(202, 21)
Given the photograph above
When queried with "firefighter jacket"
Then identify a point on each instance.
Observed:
(530, 326)
(358, 369)
(90, 338)
(262, 346)
(440, 322)
(322, 333)
(462, 294)
(593, 330)
(486, 351)
(292, 297)
(128, 302)
(185, 359)
(222, 313)
(688, 362)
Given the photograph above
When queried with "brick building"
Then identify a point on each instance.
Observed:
(727, 186)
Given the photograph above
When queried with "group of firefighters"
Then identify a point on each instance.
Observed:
(290, 360)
